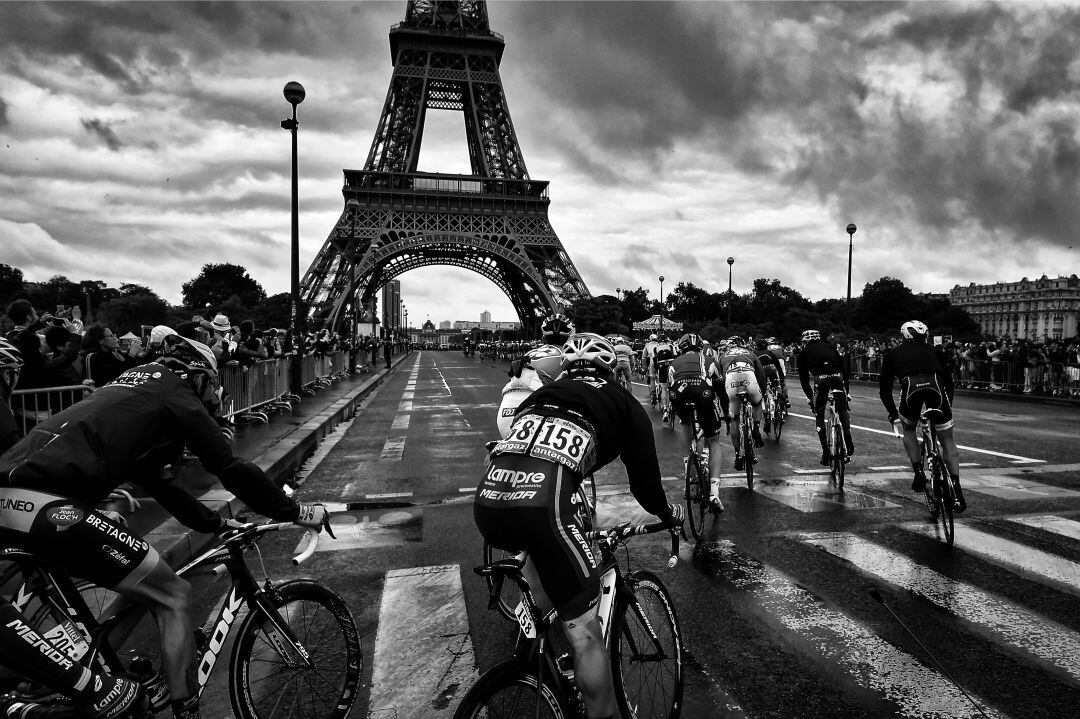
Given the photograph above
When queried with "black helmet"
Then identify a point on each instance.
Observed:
(556, 329)
(689, 342)
(193, 361)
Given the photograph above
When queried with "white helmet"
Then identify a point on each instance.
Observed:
(652, 337)
(587, 350)
(811, 336)
(546, 360)
(914, 330)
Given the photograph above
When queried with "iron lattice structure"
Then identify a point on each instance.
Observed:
(493, 221)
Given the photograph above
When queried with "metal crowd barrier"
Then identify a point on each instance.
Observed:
(31, 406)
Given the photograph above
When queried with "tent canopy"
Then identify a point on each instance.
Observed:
(129, 336)
(653, 323)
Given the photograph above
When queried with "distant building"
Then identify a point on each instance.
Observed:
(1029, 309)
(486, 326)
(446, 325)
(485, 316)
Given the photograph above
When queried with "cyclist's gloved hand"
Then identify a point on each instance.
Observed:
(228, 524)
(810, 404)
(313, 516)
(898, 427)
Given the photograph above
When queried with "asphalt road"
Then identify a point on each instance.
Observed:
(774, 605)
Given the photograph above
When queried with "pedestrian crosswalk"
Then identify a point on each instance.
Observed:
(964, 589)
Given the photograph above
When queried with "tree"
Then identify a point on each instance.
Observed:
(216, 283)
(128, 313)
(11, 285)
(885, 305)
(131, 289)
(636, 305)
(770, 300)
(601, 315)
(690, 303)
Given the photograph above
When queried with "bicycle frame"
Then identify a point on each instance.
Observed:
(46, 582)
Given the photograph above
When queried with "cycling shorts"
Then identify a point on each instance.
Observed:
(693, 394)
(923, 389)
(553, 534)
(663, 373)
(623, 366)
(740, 376)
(823, 385)
(770, 373)
(75, 536)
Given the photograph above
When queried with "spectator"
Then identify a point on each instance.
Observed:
(249, 348)
(386, 352)
(272, 342)
(220, 339)
(60, 368)
(10, 367)
(102, 360)
(37, 366)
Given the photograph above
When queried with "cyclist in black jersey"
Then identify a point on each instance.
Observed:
(128, 431)
(923, 381)
(773, 371)
(692, 392)
(820, 359)
(525, 501)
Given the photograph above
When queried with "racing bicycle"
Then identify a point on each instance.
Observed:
(697, 482)
(746, 437)
(640, 628)
(774, 409)
(834, 436)
(939, 492)
(297, 651)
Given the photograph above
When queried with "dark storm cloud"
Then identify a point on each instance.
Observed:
(104, 132)
(3, 113)
(998, 151)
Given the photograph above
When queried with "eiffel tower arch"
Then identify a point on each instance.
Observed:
(493, 221)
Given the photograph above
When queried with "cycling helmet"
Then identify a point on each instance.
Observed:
(586, 350)
(652, 338)
(735, 341)
(555, 329)
(546, 361)
(811, 336)
(914, 330)
(689, 343)
(10, 356)
(193, 361)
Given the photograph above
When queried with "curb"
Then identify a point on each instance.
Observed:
(1007, 396)
(177, 544)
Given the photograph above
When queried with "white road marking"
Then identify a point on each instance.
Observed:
(423, 609)
(1015, 458)
(392, 450)
(322, 449)
(1016, 557)
(389, 495)
(1010, 623)
(864, 657)
(1058, 525)
(401, 421)
(892, 468)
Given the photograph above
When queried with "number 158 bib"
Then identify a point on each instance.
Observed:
(551, 438)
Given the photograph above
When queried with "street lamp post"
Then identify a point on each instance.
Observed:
(730, 262)
(294, 95)
(850, 232)
(661, 305)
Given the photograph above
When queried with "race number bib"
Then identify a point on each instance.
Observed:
(551, 438)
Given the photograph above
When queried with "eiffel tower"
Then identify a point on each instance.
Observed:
(493, 221)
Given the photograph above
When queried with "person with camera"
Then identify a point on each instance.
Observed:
(40, 368)
(102, 359)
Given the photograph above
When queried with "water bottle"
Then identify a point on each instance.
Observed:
(153, 683)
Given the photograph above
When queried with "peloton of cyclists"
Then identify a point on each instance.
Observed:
(923, 381)
(741, 370)
(692, 378)
(561, 433)
(820, 359)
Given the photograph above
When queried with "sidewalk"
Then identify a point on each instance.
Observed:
(1007, 396)
(279, 448)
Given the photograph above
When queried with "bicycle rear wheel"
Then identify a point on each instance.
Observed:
(746, 428)
(781, 418)
(839, 453)
(697, 497)
(508, 691)
(943, 491)
(646, 651)
(265, 681)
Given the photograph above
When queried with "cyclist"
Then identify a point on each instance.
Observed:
(923, 380)
(819, 358)
(128, 431)
(536, 368)
(623, 353)
(556, 329)
(663, 354)
(11, 363)
(773, 372)
(740, 369)
(691, 390)
(647, 363)
(525, 501)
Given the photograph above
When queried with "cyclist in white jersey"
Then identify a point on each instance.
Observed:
(647, 363)
(741, 371)
(623, 353)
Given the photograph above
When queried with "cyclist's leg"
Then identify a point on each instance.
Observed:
(709, 417)
(592, 664)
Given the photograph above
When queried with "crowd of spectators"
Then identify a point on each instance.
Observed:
(1049, 368)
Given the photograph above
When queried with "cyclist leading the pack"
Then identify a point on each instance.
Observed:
(820, 359)
(923, 381)
(692, 377)
(128, 431)
(525, 501)
(740, 370)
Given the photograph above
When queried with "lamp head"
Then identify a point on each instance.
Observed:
(851, 229)
(294, 93)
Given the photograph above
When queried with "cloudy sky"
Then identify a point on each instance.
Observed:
(139, 141)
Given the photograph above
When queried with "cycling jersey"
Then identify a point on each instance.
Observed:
(126, 432)
(623, 352)
(771, 367)
(526, 500)
(820, 359)
(662, 357)
(741, 371)
(923, 380)
(691, 391)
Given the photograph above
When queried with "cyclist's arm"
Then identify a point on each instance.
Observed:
(759, 372)
(638, 453)
(178, 502)
(205, 440)
(885, 387)
(804, 376)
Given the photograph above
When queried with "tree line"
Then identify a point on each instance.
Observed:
(774, 309)
(218, 288)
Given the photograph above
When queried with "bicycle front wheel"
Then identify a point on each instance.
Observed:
(646, 651)
(839, 453)
(944, 494)
(748, 446)
(267, 678)
(697, 497)
(508, 691)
